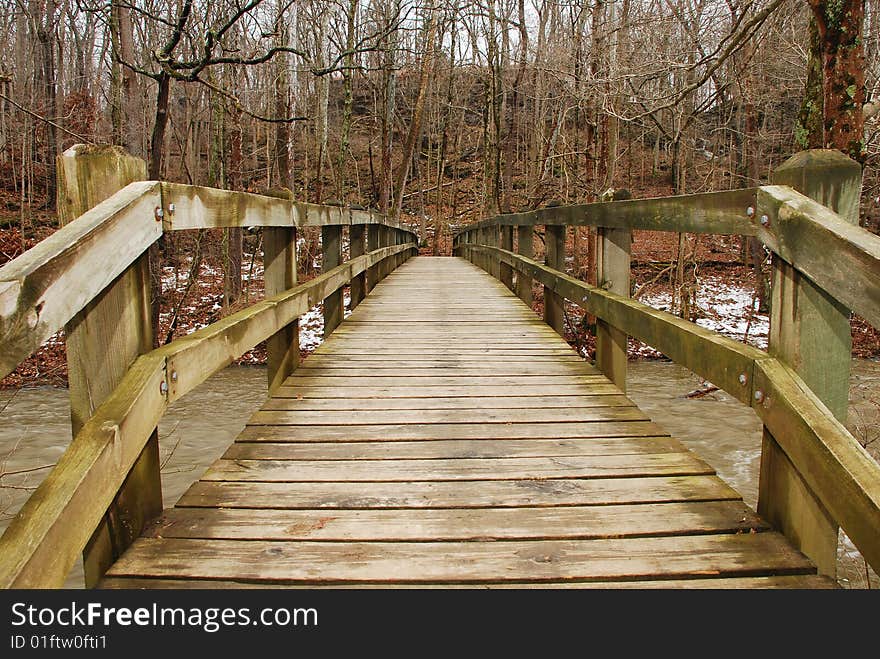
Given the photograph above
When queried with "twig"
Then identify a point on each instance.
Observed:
(24, 471)
(81, 138)
(9, 401)
(653, 281)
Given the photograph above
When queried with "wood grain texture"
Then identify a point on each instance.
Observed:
(534, 561)
(426, 458)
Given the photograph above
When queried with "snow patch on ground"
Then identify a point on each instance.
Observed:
(729, 309)
(311, 325)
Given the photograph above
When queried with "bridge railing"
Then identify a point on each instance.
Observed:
(815, 476)
(91, 277)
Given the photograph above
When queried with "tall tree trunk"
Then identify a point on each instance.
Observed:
(322, 111)
(44, 19)
(415, 126)
(839, 25)
(389, 90)
(160, 124)
(809, 131)
(347, 98)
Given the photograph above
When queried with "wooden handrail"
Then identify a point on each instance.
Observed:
(199, 207)
(44, 539)
(46, 286)
(841, 258)
(708, 212)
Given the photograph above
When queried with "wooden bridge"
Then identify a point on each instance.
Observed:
(443, 434)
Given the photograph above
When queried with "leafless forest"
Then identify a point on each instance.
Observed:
(441, 113)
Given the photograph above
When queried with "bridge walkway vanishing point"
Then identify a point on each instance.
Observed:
(444, 435)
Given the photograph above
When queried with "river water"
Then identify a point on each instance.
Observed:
(197, 429)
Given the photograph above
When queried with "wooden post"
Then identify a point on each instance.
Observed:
(507, 243)
(279, 263)
(810, 332)
(554, 238)
(279, 256)
(372, 245)
(612, 274)
(495, 241)
(524, 247)
(357, 247)
(103, 340)
(331, 248)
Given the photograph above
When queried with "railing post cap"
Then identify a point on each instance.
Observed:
(828, 161)
(826, 175)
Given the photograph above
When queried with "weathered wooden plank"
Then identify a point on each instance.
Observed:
(43, 288)
(461, 562)
(293, 390)
(423, 417)
(357, 238)
(458, 494)
(524, 247)
(474, 430)
(445, 403)
(279, 256)
(439, 371)
(714, 582)
(102, 341)
(329, 361)
(439, 448)
(809, 331)
(416, 381)
(459, 469)
(554, 257)
(331, 256)
(575, 522)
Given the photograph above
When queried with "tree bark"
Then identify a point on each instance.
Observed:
(839, 26)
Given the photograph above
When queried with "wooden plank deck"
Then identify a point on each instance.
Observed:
(445, 436)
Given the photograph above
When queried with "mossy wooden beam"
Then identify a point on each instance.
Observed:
(44, 539)
(835, 468)
(198, 207)
(810, 332)
(839, 256)
(612, 274)
(45, 287)
(104, 339)
(709, 212)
